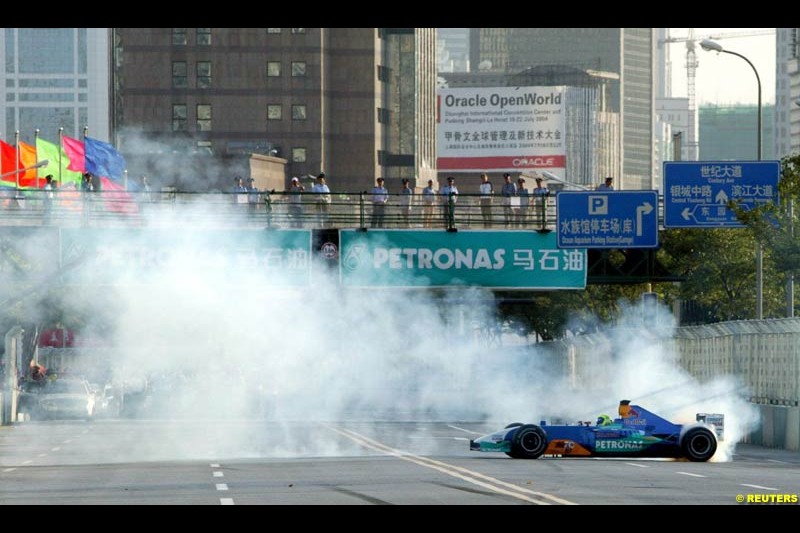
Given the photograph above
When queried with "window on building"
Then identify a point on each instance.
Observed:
(204, 147)
(204, 36)
(383, 115)
(384, 73)
(179, 80)
(203, 74)
(203, 117)
(274, 111)
(299, 112)
(298, 68)
(298, 155)
(298, 30)
(273, 30)
(273, 69)
(179, 122)
(179, 36)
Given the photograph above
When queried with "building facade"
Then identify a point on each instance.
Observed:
(627, 52)
(355, 103)
(787, 91)
(729, 132)
(54, 78)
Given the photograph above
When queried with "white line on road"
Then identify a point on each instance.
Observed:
(67, 441)
(470, 476)
(214, 465)
(42, 455)
(460, 438)
(55, 449)
(757, 486)
(226, 501)
(9, 469)
(464, 430)
(222, 486)
(776, 461)
(690, 474)
(29, 461)
(218, 473)
(640, 466)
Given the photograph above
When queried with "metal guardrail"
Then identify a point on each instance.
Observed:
(274, 209)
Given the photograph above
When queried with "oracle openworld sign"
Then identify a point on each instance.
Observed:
(501, 129)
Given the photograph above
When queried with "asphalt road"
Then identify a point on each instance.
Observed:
(154, 462)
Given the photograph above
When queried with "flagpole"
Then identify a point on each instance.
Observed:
(16, 142)
(35, 137)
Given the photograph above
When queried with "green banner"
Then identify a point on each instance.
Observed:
(494, 259)
(238, 257)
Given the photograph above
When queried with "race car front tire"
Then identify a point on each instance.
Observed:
(699, 444)
(529, 442)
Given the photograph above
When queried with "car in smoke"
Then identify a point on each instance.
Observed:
(64, 397)
(636, 433)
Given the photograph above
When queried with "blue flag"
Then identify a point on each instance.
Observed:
(102, 159)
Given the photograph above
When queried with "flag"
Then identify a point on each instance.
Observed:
(27, 159)
(116, 198)
(8, 162)
(52, 152)
(102, 159)
(75, 150)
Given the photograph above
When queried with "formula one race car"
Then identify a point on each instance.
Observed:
(636, 433)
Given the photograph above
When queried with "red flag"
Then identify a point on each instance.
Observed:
(76, 152)
(8, 162)
(116, 198)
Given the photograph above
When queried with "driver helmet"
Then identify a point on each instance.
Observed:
(604, 420)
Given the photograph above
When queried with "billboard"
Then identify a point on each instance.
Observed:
(425, 258)
(501, 129)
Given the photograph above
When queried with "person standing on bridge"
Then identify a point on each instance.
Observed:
(486, 191)
(449, 194)
(508, 191)
(380, 196)
(428, 202)
(607, 185)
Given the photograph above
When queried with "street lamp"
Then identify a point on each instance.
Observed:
(713, 46)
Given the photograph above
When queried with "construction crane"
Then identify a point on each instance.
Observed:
(691, 73)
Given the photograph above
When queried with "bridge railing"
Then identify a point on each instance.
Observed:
(66, 207)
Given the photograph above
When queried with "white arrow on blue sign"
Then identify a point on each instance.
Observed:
(696, 193)
(607, 219)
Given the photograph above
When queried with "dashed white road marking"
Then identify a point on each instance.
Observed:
(640, 466)
(67, 441)
(779, 462)
(226, 501)
(464, 430)
(217, 473)
(214, 465)
(690, 474)
(460, 438)
(55, 449)
(757, 486)
(9, 469)
(29, 461)
(222, 486)
(42, 455)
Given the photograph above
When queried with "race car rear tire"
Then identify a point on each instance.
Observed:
(529, 442)
(699, 444)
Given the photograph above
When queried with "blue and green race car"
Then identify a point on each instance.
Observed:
(635, 433)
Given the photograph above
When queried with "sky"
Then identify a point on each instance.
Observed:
(723, 78)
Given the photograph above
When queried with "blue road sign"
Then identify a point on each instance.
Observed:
(607, 219)
(696, 193)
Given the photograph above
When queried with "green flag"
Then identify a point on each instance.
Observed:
(51, 152)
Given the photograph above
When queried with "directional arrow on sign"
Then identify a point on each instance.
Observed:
(722, 197)
(644, 209)
(685, 213)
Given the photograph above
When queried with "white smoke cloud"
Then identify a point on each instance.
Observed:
(219, 349)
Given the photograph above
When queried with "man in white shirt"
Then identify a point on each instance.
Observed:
(380, 196)
(486, 191)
